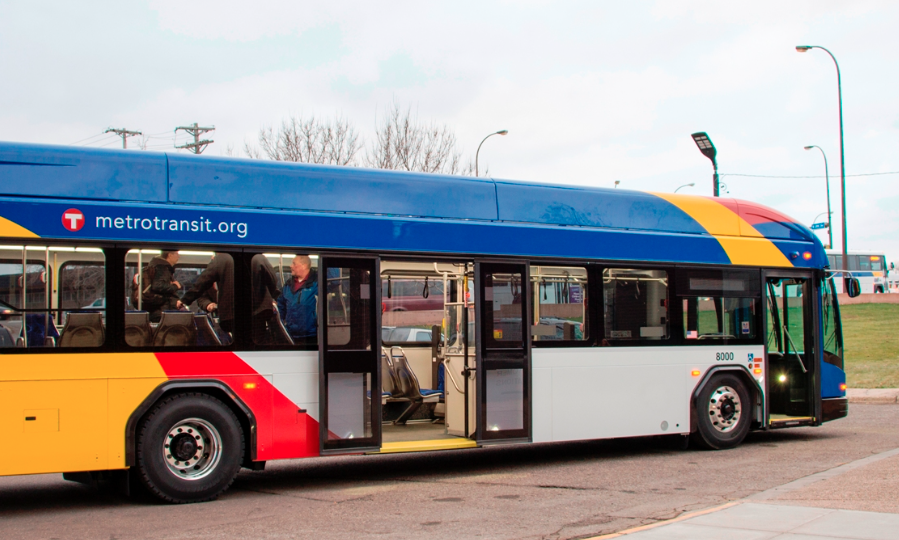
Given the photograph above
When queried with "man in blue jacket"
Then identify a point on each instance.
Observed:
(298, 301)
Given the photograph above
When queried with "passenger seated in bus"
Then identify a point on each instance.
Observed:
(160, 294)
(220, 273)
(298, 300)
(265, 292)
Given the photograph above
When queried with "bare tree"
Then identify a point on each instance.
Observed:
(309, 140)
(404, 143)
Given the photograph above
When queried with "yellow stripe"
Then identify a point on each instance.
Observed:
(81, 366)
(425, 446)
(743, 244)
(68, 412)
(10, 229)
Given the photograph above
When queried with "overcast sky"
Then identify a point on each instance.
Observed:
(591, 92)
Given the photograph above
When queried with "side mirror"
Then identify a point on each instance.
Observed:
(853, 287)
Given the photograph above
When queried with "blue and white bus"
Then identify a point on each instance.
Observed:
(564, 313)
(870, 268)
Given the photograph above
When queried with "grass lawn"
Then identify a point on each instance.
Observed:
(871, 339)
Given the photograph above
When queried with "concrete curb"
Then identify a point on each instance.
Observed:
(883, 396)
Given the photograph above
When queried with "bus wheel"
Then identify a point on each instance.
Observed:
(189, 448)
(722, 413)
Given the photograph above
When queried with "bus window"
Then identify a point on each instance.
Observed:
(877, 263)
(31, 319)
(559, 303)
(635, 304)
(719, 318)
(291, 319)
(864, 262)
(155, 314)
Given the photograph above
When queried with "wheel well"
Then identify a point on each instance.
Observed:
(215, 389)
(755, 393)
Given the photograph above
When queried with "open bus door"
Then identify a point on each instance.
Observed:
(791, 349)
(349, 357)
(503, 352)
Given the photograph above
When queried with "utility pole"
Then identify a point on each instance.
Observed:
(124, 134)
(194, 130)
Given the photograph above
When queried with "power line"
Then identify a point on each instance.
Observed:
(88, 138)
(773, 176)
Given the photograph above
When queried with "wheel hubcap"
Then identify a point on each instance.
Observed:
(724, 409)
(192, 449)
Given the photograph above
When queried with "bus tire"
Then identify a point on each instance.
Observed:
(722, 412)
(189, 448)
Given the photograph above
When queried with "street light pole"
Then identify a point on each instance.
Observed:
(705, 145)
(500, 132)
(806, 48)
(691, 184)
(827, 181)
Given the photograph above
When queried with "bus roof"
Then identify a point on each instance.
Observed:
(74, 173)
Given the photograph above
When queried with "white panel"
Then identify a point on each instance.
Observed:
(293, 373)
(420, 362)
(620, 392)
(298, 387)
(542, 405)
(281, 361)
(617, 401)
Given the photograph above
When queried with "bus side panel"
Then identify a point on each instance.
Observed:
(53, 426)
(610, 392)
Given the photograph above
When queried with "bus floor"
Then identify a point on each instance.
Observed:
(414, 430)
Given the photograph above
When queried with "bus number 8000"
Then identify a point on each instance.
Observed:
(724, 356)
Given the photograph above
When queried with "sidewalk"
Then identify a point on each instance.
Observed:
(873, 395)
(855, 501)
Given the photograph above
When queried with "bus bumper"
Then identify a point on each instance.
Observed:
(834, 408)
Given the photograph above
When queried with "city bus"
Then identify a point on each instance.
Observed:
(563, 313)
(869, 268)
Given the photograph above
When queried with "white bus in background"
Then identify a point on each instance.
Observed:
(869, 267)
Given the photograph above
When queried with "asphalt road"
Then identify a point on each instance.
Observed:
(571, 490)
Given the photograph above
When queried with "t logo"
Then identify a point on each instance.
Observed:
(73, 219)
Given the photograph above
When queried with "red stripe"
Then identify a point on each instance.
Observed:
(282, 432)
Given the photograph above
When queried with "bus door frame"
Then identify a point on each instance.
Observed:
(489, 357)
(813, 341)
(351, 361)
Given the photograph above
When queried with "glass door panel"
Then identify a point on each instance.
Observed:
(503, 348)
(349, 360)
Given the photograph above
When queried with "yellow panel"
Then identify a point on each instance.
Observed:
(426, 446)
(81, 366)
(743, 244)
(40, 420)
(94, 395)
(124, 396)
(80, 444)
(10, 229)
(753, 252)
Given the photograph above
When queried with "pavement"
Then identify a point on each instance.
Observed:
(873, 395)
(858, 500)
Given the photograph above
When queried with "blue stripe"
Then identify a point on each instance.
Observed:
(358, 232)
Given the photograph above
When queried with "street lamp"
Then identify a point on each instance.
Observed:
(708, 150)
(827, 181)
(806, 48)
(691, 184)
(500, 132)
